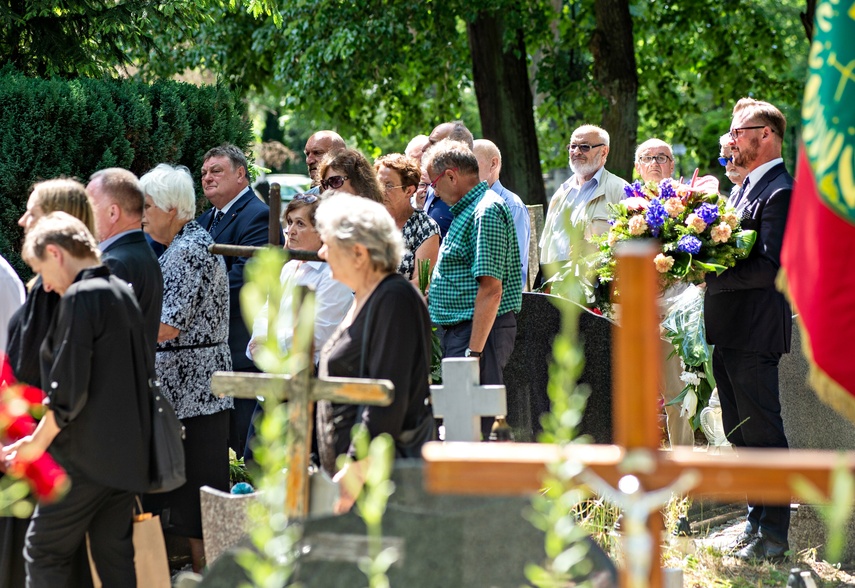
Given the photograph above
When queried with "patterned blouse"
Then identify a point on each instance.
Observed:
(196, 302)
(418, 228)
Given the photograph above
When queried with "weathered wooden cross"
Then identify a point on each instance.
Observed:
(513, 469)
(461, 402)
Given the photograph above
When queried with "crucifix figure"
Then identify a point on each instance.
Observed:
(513, 469)
(461, 402)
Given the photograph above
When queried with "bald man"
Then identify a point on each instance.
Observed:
(317, 146)
(437, 209)
(416, 147)
(489, 168)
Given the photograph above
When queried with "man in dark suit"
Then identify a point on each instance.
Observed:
(236, 217)
(748, 320)
(117, 201)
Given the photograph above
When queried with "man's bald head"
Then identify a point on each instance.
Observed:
(319, 145)
(489, 160)
(416, 147)
(454, 131)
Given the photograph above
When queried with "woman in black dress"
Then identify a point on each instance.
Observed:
(363, 247)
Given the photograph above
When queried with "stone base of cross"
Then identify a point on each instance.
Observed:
(461, 402)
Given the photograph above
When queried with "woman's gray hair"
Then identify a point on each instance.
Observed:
(171, 187)
(351, 219)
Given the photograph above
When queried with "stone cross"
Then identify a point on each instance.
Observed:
(514, 469)
(461, 402)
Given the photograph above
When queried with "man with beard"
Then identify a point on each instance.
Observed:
(582, 201)
(748, 320)
(317, 146)
(654, 161)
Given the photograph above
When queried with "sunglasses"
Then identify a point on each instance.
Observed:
(333, 182)
(583, 148)
(725, 160)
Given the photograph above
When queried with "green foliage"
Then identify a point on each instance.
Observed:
(836, 511)
(54, 128)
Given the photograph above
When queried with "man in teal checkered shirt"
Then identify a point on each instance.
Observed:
(476, 285)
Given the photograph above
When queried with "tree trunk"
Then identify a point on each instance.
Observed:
(615, 72)
(505, 102)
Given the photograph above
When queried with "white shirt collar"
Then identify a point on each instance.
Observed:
(231, 202)
(757, 173)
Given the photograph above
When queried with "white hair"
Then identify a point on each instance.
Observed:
(171, 187)
(601, 132)
(352, 219)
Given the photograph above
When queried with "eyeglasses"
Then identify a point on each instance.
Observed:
(583, 148)
(439, 177)
(661, 158)
(734, 133)
(307, 198)
(424, 185)
(333, 182)
(390, 187)
(725, 160)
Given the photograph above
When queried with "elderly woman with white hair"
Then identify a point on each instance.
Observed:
(191, 345)
(385, 335)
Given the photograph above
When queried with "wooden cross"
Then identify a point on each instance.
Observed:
(514, 469)
(301, 391)
(461, 402)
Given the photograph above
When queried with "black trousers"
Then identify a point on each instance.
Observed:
(240, 418)
(751, 413)
(58, 530)
(497, 351)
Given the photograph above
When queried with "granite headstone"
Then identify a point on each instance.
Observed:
(802, 410)
(527, 372)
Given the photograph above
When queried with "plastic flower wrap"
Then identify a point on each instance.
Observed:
(684, 328)
(698, 231)
(20, 404)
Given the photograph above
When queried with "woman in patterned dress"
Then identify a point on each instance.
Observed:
(191, 346)
(399, 177)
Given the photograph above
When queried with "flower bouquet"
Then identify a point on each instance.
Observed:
(698, 231)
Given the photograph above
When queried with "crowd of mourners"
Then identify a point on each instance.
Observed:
(127, 291)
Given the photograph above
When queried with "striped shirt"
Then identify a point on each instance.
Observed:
(481, 241)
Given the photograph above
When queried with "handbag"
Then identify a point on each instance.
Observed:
(167, 444)
(150, 560)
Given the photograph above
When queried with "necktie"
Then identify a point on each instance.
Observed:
(742, 190)
(217, 218)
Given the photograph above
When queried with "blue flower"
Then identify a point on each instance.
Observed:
(666, 189)
(634, 189)
(655, 216)
(707, 212)
(689, 244)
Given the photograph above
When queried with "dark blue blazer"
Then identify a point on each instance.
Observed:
(130, 258)
(245, 224)
(742, 308)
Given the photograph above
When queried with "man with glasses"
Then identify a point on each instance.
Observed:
(476, 286)
(654, 161)
(583, 199)
(318, 145)
(433, 205)
(748, 320)
(237, 217)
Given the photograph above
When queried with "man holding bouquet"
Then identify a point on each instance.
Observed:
(748, 320)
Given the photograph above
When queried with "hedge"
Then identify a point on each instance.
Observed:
(52, 128)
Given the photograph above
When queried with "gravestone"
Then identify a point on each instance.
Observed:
(224, 520)
(535, 217)
(802, 409)
(461, 402)
(527, 372)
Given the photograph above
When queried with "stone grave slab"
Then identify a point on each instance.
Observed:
(527, 372)
(224, 520)
(809, 423)
(461, 402)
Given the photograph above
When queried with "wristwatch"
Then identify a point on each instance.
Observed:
(470, 353)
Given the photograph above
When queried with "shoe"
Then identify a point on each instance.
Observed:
(741, 541)
(763, 548)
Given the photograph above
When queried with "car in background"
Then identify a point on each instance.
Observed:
(290, 185)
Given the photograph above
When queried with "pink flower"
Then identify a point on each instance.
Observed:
(663, 263)
(674, 207)
(635, 203)
(721, 233)
(696, 223)
(731, 219)
(637, 225)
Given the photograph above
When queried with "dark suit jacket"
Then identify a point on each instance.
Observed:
(743, 309)
(95, 368)
(130, 258)
(245, 224)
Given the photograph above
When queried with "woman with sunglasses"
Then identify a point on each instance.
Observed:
(348, 171)
(399, 176)
(332, 298)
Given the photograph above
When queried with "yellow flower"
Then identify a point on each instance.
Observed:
(731, 219)
(637, 225)
(721, 232)
(663, 263)
(674, 207)
(696, 223)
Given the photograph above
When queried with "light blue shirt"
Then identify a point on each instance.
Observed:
(107, 242)
(570, 199)
(522, 223)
